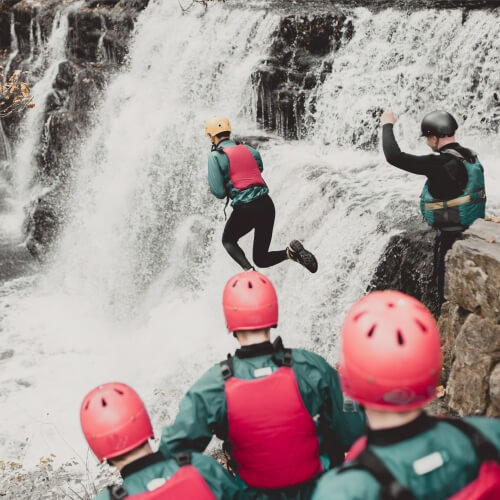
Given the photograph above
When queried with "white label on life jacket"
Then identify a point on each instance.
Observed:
(428, 464)
(154, 484)
(263, 372)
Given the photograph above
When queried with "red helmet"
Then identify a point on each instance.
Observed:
(114, 420)
(391, 352)
(250, 302)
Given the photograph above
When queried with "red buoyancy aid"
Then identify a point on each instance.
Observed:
(243, 167)
(186, 483)
(272, 435)
(485, 487)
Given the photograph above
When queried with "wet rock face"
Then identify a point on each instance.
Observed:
(295, 67)
(408, 265)
(470, 322)
(473, 277)
(97, 42)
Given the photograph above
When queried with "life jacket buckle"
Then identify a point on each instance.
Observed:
(118, 492)
(183, 459)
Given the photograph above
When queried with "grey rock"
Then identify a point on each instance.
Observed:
(477, 347)
(473, 270)
(451, 319)
(495, 388)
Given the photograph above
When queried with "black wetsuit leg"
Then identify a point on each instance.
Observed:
(264, 224)
(445, 240)
(258, 215)
(238, 224)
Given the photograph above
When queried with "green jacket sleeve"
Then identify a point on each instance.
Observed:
(215, 177)
(340, 424)
(351, 485)
(223, 485)
(202, 413)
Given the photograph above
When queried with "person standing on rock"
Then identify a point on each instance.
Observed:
(391, 364)
(454, 195)
(117, 428)
(280, 412)
(234, 172)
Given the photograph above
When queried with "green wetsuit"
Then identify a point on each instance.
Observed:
(407, 452)
(141, 473)
(203, 410)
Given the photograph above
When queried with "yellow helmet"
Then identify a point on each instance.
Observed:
(216, 125)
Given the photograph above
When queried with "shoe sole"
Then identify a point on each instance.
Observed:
(305, 258)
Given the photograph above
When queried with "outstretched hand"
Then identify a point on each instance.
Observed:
(388, 117)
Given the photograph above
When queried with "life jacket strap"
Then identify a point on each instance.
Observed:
(391, 489)
(484, 448)
(439, 205)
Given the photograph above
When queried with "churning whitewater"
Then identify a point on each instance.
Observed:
(133, 290)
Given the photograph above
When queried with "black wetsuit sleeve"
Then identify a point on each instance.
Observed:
(422, 165)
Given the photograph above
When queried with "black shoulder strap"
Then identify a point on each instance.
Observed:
(391, 489)
(183, 459)
(286, 359)
(117, 492)
(226, 368)
(484, 448)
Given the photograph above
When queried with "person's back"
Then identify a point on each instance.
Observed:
(279, 411)
(454, 195)
(429, 456)
(117, 428)
(391, 363)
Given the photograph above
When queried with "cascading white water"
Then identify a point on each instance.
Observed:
(134, 291)
(47, 62)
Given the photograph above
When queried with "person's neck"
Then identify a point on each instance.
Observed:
(250, 337)
(218, 140)
(444, 141)
(378, 420)
(132, 456)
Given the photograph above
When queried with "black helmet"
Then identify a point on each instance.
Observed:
(439, 123)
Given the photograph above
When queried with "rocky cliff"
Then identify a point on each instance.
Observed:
(470, 322)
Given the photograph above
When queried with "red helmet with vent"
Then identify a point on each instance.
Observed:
(250, 302)
(391, 352)
(114, 420)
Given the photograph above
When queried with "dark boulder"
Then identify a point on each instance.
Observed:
(409, 265)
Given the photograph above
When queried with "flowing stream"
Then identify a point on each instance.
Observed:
(133, 292)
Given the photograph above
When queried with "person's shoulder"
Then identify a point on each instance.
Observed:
(309, 357)
(490, 427)
(353, 484)
(212, 376)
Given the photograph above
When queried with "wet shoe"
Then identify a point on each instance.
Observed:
(298, 253)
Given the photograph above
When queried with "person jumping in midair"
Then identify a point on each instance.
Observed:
(234, 171)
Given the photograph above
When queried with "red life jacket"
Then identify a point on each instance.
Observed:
(272, 436)
(243, 168)
(485, 487)
(186, 483)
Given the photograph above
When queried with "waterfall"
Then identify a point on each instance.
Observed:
(135, 286)
(30, 130)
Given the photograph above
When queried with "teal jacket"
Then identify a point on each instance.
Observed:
(203, 410)
(218, 176)
(434, 460)
(138, 474)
